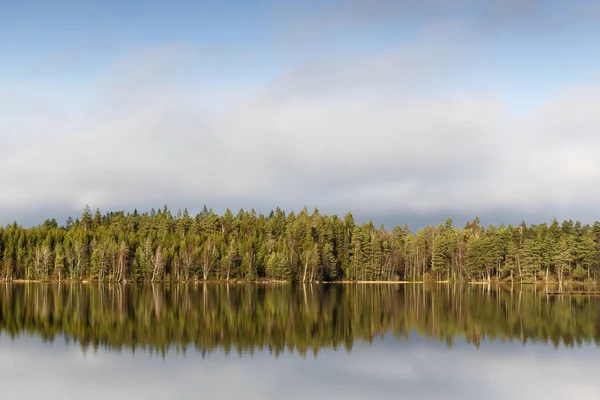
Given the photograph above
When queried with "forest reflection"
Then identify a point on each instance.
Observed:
(302, 318)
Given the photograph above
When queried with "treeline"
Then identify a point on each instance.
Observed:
(302, 247)
(301, 318)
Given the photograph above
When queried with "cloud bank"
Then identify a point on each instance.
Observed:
(382, 133)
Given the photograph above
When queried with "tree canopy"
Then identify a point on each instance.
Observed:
(298, 247)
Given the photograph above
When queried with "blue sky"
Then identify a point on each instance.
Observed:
(471, 107)
(66, 40)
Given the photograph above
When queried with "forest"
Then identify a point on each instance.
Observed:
(158, 246)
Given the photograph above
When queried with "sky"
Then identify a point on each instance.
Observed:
(400, 111)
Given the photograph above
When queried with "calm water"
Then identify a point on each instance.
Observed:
(296, 342)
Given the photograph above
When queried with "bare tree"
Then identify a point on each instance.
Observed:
(59, 261)
(79, 249)
(208, 257)
(158, 264)
(122, 253)
(309, 259)
(46, 256)
(189, 258)
(231, 254)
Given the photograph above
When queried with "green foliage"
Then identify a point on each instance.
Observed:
(304, 247)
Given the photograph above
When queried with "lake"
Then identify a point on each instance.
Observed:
(295, 341)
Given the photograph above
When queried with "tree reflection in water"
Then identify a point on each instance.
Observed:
(299, 318)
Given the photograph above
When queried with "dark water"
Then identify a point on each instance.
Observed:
(296, 342)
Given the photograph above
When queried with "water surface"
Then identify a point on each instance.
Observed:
(296, 342)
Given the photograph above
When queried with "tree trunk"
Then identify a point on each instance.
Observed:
(229, 262)
(305, 268)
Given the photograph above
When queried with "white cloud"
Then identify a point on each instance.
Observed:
(383, 133)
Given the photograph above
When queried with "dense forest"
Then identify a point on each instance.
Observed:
(302, 318)
(298, 247)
